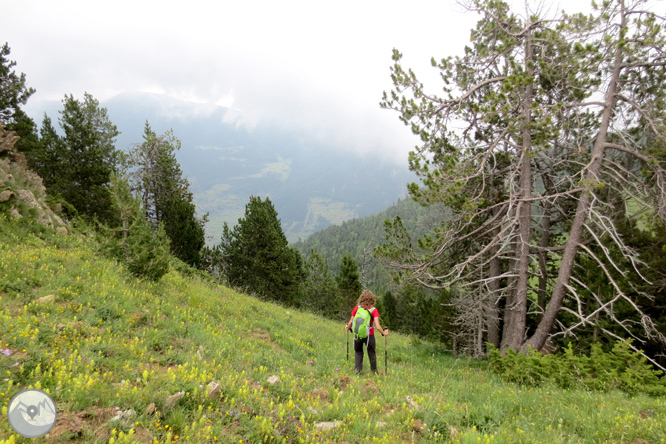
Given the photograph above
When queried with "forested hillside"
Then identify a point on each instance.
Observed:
(360, 236)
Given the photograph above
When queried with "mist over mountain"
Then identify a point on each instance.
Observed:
(312, 184)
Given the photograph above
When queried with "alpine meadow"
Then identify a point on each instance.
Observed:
(522, 278)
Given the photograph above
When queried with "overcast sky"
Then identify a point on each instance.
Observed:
(315, 66)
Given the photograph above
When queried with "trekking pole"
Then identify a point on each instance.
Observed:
(347, 345)
(385, 354)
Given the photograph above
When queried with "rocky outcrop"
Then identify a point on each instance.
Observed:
(22, 193)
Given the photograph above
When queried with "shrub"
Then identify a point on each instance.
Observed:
(621, 368)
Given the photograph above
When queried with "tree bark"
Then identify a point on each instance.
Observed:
(517, 310)
(542, 332)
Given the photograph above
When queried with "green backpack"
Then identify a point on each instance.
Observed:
(362, 323)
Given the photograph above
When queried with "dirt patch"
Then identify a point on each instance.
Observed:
(318, 393)
(344, 381)
(76, 426)
(261, 334)
(254, 384)
(265, 337)
(161, 369)
(371, 387)
(418, 426)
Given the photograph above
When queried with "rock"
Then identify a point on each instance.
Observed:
(200, 353)
(214, 390)
(45, 299)
(124, 414)
(57, 208)
(61, 230)
(150, 408)
(312, 410)
(6, 195)
(173, 399)
(13, 212)
(273, 379)
(381, 423)
(60, 327)
(29, 198)
(411, 402)
(327, 425)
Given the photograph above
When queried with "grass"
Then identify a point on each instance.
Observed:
(108, 343)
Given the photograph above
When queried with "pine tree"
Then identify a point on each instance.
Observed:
(320, 293)
(13, 89)
(14, 93)
(531, 127)
(166, 194)
(144, 251)
(349, 282)
(390, 307)
(47, 160)
(257, 256)
(86, 159)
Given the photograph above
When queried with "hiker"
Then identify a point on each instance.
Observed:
(366, 302)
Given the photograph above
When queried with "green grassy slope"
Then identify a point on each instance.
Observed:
(109, 341)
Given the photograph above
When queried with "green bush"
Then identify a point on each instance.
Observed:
(621, 368)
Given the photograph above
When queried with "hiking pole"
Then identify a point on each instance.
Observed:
(385, 354)
(347, 345)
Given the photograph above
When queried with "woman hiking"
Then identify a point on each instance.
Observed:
(366, 302)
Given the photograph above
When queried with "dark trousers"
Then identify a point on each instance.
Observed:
(368, 343)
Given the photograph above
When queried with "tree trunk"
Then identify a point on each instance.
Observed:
(517, 310)
(543, 261)
(542, 332)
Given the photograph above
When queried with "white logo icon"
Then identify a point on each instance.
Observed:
(32, 413)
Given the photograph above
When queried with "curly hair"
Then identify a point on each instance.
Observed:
(367, 299)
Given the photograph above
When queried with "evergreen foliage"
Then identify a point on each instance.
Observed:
(81, 163)
(349, 283)
(620, 368)
(144, 251)
(320, 292)
(361, 236)
(559, 119)
(14, 91)
(257, 257)
(166, 194)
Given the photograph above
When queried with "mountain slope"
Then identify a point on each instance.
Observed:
(360, 236)
(184, 360)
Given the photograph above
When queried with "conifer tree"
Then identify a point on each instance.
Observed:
(257, 255)
(349, 282)
(144, 251)
(86, 159)
(14, 91)
(320, 293)
(532, 128)
(166, 194)
(390, 307)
